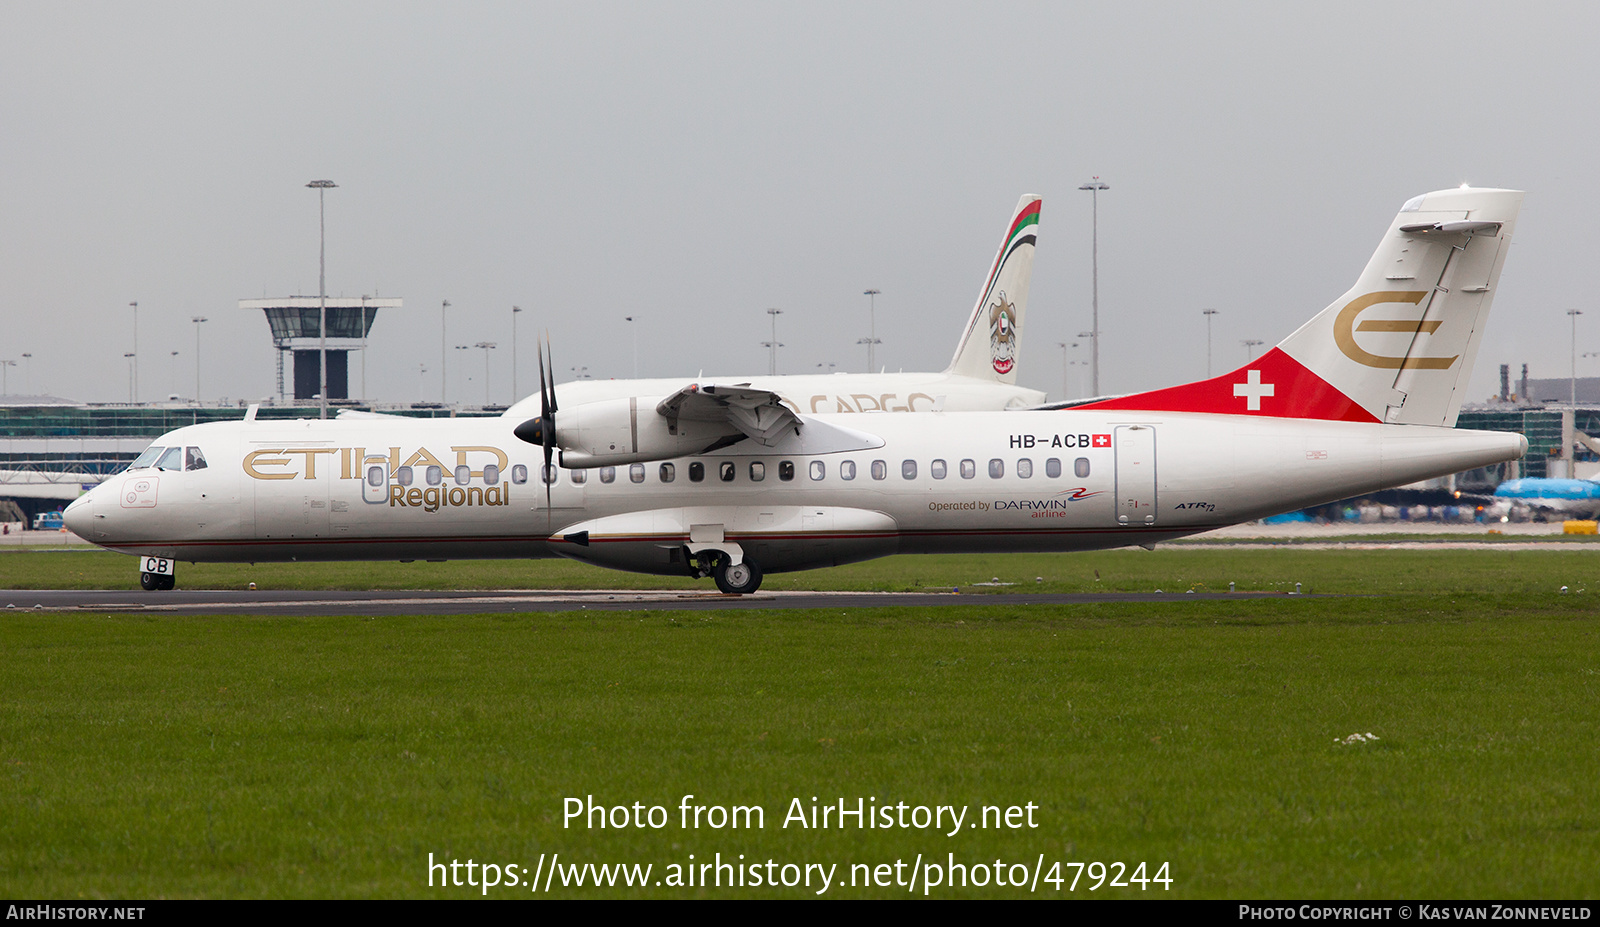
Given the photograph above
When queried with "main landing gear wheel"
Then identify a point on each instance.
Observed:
(740, 579)
(155, 582)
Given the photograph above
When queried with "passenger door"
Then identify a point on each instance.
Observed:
(1136, 475)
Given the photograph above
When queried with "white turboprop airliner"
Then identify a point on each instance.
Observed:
(982, 375)
(730, 482)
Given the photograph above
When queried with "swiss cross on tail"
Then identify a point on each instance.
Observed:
(1252, 389)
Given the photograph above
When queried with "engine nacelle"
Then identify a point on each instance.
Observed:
(777, 537)
(610, 432)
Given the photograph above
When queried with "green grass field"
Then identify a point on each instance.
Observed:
(327, 757)
(1172, 569)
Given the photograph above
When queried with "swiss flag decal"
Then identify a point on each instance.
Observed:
(1102, 440)
(1275, 385)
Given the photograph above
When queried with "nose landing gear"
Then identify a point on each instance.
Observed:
(156, 582)
(157, 574)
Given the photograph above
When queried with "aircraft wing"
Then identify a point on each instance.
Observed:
(758, 413)
(697, 419)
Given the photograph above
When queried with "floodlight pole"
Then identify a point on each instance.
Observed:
(773, 345)
(515, 311)
(27, 372)
(487, 346)
(133, 378)
(1094, 187)
(872, 335)
(322, 187)
(363, 351)
(1208, 313)
(196, 320)
(444, 355)
(1573, 384)
(1250, 345)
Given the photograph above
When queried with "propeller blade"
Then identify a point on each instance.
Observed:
(544, 389)
(547, 428)
(551, 358)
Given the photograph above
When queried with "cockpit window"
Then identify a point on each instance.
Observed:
(194, 459)
(147, 458)
(171, 460)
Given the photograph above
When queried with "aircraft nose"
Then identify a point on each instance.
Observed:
(79, 515)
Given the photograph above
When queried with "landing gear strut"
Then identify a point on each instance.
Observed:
(742, 578)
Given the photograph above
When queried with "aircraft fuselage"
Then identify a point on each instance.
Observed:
(939, 482)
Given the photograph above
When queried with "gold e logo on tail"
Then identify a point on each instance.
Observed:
(1344, 329)
(1002, 334)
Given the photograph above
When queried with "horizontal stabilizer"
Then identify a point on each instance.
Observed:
(1456, 227)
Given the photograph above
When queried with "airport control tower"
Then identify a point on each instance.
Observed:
(294, 331)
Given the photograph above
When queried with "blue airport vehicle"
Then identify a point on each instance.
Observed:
(48, 521)
(1546, 488)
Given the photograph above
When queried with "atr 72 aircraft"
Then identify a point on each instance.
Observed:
(728, 481)
(982, 375)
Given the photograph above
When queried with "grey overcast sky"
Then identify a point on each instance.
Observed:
(692, 164)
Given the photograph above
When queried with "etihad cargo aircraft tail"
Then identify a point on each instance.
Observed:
(989, 346)
(1398, 347)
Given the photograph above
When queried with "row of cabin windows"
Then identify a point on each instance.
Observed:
(727, 470)
(433, 476)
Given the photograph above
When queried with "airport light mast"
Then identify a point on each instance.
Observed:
(133, 377)
(322, 187)
(1208, 313)
(1573, 384)
(487, 346)
(444, 354)
(516, 311)
(772, 346)
(871, 341)
(1094, 187)
(197, 320)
